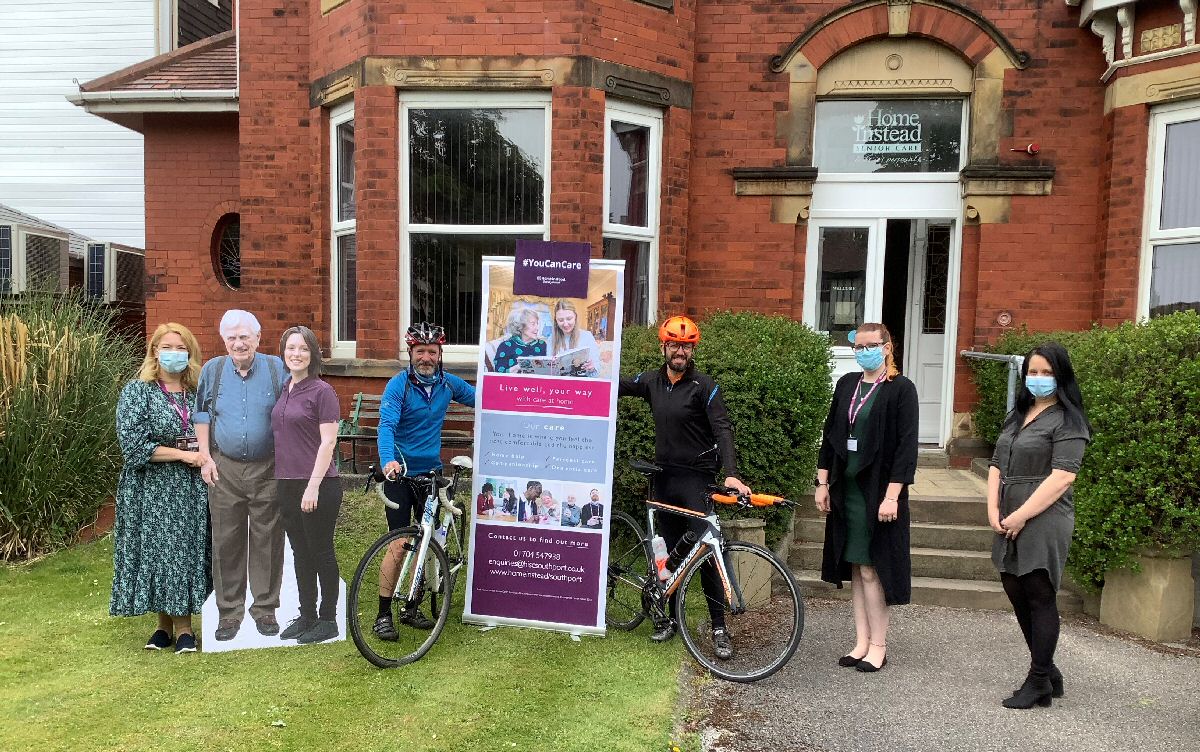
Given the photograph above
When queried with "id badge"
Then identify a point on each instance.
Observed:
(188, 443)
(852, 444)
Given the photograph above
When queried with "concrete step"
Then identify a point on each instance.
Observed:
(934, 591)
(945, 510)
(921, 534)
(933, 458)
(926, 562)
(979, 466)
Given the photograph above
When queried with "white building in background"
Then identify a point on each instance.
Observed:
(57, 161)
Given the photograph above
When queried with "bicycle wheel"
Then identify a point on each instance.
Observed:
(434, 593)
(628, 570)
(765, 634)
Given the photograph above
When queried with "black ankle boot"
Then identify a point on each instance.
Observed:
(1035, 691)
(1056, 683)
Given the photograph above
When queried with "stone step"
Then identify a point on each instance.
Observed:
(979, 466)
(926, 562)
(921, 534)
(935, 591)
(945, 510)
(933, 458)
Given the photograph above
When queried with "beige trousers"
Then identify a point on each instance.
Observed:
(247, 537)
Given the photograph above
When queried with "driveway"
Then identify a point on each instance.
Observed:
(947, 671)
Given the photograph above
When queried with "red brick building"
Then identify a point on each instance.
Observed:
(952, 168)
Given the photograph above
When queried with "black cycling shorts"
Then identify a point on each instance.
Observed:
(411, 499)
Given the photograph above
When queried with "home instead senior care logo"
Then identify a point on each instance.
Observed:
(887, 133)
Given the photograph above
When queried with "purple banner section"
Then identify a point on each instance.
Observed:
(551, 269)
(525, 573)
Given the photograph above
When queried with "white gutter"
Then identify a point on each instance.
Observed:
(157, 100)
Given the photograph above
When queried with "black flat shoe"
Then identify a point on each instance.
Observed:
(848, 661)
(869, 668)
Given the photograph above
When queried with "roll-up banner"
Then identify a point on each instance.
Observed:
(545, 429)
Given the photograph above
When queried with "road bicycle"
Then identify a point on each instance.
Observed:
(427, 559)
(761, 602)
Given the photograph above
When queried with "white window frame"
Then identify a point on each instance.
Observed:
(461, 354)
(340, 347)
(626, 112)
(1160, 118)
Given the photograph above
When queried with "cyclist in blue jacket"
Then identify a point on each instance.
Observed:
(411, 415)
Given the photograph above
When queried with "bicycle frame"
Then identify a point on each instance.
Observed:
(432, 502)
(712, 539)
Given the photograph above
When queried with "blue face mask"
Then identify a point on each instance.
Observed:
(1041, 386)
(172, 361)
(869, 359)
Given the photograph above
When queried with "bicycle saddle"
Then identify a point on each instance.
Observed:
(647, 468)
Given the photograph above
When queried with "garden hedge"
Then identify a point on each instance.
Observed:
(774, 377)
(1139, 486)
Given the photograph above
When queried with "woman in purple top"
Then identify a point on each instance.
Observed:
(304, 422)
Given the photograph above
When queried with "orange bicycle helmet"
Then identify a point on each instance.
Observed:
(679, 329)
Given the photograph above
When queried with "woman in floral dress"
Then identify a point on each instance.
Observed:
(161, 543)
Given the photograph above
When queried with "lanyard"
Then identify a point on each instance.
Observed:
(181, 408)
(855, 410)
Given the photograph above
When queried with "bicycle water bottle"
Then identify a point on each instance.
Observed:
(440, 533)
(681, 550)
(660, 556)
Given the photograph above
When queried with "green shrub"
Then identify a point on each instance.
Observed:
(774, 377)
(1140, 481)
(61, 369)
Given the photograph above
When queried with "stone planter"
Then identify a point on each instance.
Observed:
(1157, 602)
(753, 573)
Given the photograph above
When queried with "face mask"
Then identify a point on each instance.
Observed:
(1041, 386)
(172, 361)
(869, 359)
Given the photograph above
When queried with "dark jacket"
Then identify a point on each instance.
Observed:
(692, 430)
(889, 455)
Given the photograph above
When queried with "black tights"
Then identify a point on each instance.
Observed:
(1036, 605)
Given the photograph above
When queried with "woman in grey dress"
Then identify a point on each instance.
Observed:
(160, 541)
(1030, 508)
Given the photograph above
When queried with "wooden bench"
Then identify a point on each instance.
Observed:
(358, 433)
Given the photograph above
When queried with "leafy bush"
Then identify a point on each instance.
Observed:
(774, 377)
(61, 369)
(1140, 481)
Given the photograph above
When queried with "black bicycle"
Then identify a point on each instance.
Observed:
(761, 603)
(415, 566)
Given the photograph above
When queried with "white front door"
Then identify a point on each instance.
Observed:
(843, 281)
(925, 326)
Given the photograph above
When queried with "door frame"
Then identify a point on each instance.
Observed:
(938, 208)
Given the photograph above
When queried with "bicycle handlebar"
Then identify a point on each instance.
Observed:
(435, 478)
(731, 497)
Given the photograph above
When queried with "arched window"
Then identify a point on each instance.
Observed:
(227, 251)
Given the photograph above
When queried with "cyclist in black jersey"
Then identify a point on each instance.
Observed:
(693, 444)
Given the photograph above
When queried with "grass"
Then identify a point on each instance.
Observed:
(72, 677)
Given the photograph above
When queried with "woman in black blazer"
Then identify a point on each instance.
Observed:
(867, 461)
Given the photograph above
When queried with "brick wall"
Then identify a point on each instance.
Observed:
(1060, 261)
(191, 182)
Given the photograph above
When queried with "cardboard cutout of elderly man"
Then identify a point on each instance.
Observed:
(233, 423)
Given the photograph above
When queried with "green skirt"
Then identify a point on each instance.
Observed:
(858, 532)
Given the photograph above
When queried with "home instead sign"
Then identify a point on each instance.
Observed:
(888, 135)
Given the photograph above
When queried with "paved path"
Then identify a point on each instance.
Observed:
(948, 670)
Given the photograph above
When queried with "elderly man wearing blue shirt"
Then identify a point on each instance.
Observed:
(411, 416)
(233, 423)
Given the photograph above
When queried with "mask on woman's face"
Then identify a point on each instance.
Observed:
(172, 361)
(869, 359)
(1041, 386)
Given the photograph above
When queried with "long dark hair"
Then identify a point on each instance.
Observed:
(1067, 388)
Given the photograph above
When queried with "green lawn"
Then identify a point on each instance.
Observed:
(74, 678)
